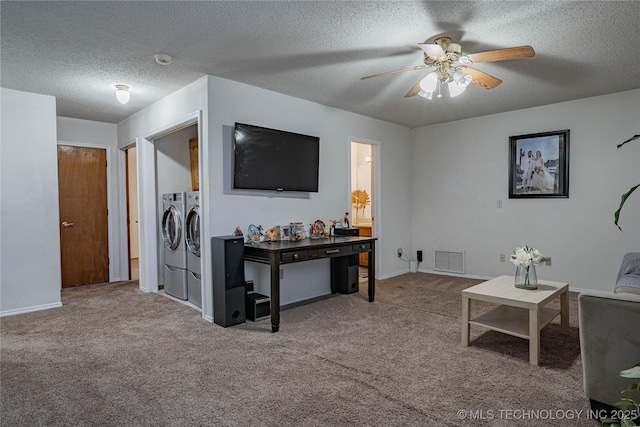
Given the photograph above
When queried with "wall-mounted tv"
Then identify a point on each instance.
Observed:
(269, 159)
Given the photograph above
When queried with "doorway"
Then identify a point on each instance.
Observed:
(132, 212)
(84, 228)
(362, 193)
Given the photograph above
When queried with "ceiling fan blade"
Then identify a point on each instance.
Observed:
(502, 54)
(485, 80)
(417, 67)
(414, 90)
(433, 50)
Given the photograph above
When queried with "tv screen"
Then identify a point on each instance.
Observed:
(269, 159)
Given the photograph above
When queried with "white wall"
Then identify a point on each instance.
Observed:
(89, 133)
(231, 102)
(460, 170)
(30, 276)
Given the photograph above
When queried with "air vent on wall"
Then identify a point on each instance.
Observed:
(449, 260)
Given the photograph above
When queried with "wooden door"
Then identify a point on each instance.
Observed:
(82, 189)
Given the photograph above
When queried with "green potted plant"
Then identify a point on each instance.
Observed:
(626, 195)
(629, 408)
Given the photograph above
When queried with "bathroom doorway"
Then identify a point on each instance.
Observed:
(363, 193)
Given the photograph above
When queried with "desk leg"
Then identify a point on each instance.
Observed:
(275, 294)
(371, 271)
(564, 312)
(534, 336)
(466, 328)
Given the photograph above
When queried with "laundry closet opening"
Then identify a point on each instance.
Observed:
(178, 209)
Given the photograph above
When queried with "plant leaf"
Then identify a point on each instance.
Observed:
(633, 372)
(627, 422)
(623, 199)
(625, 403)
(634, 137)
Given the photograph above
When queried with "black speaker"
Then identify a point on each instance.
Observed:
(344, 274)
(227, 254)
(346, 231)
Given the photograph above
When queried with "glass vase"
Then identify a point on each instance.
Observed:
(526, 277)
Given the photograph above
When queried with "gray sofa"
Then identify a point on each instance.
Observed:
(610, 334)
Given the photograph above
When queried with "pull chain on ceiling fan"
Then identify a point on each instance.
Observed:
(452, 68)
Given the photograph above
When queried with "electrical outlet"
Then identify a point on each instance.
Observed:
(499, 204)
(503, 258)
(399, 252)
(281, 273)
(548, 261)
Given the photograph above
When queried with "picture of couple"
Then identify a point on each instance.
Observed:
(539, 165)
(535, 175)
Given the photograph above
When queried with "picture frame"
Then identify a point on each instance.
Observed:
(539, 165)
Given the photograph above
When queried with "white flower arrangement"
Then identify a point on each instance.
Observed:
(527, 256)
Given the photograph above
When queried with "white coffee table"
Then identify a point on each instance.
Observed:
(521, 312)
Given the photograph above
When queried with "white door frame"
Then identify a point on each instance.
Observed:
(111, 228)
(122, 191)
(149, 262)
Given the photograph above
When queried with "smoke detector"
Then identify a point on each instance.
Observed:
(163, 59)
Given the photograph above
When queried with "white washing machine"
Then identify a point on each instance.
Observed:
(175, 254)
(192, 243)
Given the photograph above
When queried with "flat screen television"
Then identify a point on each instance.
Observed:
(269, 159)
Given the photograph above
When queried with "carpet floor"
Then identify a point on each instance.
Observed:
(115, 356)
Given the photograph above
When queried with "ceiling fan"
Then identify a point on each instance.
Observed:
(452, 68)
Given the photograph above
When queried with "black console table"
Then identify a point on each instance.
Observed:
(286, 252)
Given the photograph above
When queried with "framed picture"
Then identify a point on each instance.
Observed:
(539, 165)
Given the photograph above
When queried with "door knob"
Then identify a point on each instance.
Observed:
(66, 224)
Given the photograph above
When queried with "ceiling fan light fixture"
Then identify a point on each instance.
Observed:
(428, 95)
(456, 89)
(429, 83)
(462, 78)
(122, 94)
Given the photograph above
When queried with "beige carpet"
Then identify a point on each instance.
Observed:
(115, 356)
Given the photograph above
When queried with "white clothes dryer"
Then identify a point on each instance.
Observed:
(175, 254)
(192, 243)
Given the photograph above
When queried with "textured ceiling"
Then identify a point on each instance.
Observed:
(78, 51)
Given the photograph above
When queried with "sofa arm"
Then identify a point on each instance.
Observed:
(609, 342)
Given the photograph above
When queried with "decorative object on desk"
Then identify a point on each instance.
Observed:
(345, 220)
(332, 230)
(296, 231)
(317, 230)
(285, 232)
(237, 232)
(526, 258)
(272, 234)
(254, 234)
(360, 200)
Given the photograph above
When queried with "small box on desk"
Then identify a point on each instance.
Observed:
(347, 231)
(258, 306)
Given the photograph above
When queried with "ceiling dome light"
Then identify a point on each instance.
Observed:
(122, 94)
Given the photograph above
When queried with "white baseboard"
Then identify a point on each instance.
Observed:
(30, 309)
